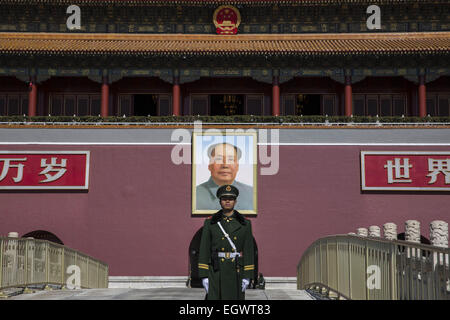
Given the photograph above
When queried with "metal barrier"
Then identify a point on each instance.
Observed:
(361, 268)
(26, 262)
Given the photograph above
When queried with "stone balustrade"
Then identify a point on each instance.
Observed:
(438, 232)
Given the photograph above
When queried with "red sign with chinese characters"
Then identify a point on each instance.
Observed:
(44, 170)
(405, 170)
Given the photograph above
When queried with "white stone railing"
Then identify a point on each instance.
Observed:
(438, 232)
(26, 262)
(367, 266)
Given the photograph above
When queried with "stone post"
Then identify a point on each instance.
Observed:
(362, 232)
(439, 238)
(10, 256)
(439, 233)
(412, 231)
(390, 231)
(374, 231)
(412, 234)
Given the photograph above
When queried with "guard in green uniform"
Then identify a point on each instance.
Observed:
(226, 261)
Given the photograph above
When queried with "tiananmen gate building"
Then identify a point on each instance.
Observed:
(132, 205)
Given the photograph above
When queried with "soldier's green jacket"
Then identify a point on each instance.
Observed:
(226, 282)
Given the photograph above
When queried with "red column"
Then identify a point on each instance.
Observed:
(422, 97)
(275, 96)
(348, 96)
(176, 96)
(105, 97)
(32, 99)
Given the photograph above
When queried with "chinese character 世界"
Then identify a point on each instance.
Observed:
(52, 167)
(7, 164)
(436, 166)
(396, 176)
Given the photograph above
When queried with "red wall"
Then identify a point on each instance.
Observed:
(136, 215)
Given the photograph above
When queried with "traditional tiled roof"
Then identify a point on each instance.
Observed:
(242, 44)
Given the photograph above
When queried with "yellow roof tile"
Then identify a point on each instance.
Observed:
(98, 43)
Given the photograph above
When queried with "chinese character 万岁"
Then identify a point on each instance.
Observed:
(51, 168)
(7, 164)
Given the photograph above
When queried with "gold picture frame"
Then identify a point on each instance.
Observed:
(203, 197)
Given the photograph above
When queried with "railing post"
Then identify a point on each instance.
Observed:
(1, 266)
(393, 270)
(318, 267)
(47, 267)
(88, 267)
(315, 265)
(76, 263)
(98, 274)
(328, 269)
(349, 271)
(30, 258)
(106, 277)
(63, 268)
(435, 276)
(337, 266)
(26, 264)
(106, 280)
(422, 276)
(366, 262)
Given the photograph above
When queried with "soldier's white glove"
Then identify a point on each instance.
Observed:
(245, 283)
(205, 283)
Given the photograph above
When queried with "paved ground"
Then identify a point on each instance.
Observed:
(156, 294)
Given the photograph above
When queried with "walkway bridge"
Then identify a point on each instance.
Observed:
(369, 268)
(27, 263)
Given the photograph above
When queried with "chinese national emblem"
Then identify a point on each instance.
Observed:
(227, 20)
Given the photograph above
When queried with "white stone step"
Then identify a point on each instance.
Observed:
(157, 294)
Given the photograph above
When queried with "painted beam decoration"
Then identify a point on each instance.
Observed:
(38, 170)
(405, 170)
